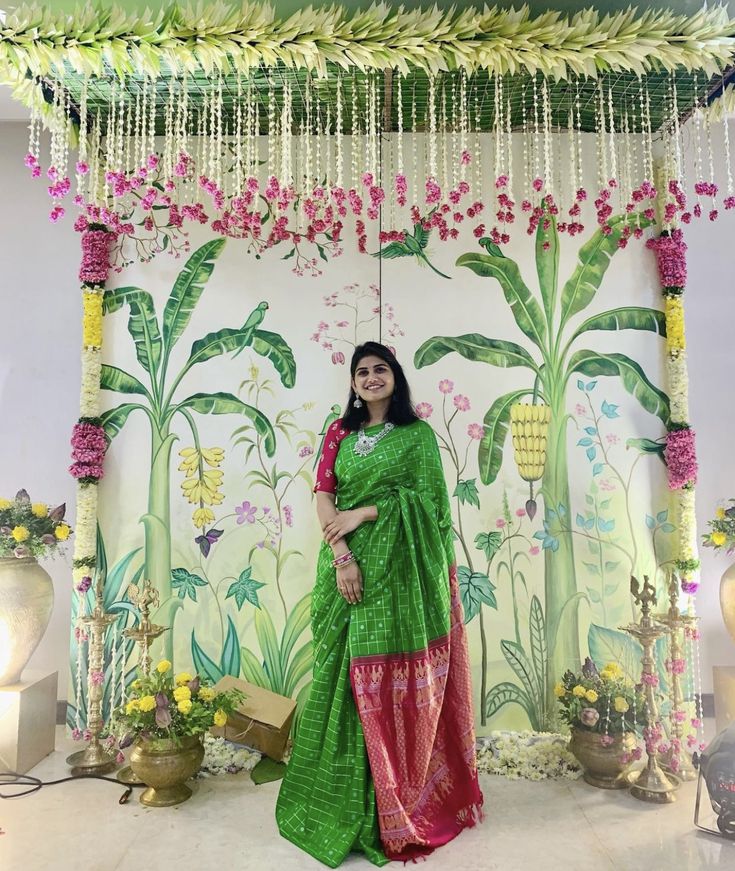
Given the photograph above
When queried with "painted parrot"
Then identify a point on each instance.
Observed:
(255, 319)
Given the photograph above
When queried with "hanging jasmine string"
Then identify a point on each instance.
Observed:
(414, 149)
(431, 108)
(548, 165)
(579, 182)
(355, 128)
(339, 133)
(649, 135)
(444, 138)
(477, 150)
(509, 147)
(455, 133)
(536, 135)
(602, 168)
(526, 151)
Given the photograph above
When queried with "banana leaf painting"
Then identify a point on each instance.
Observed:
(547, 349)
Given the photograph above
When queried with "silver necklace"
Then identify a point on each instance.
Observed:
(366, 444)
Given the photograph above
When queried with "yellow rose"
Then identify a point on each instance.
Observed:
(62, 531)
(182, 694)
(206, 694)
(220, 718)
(579, 691)
(183, 678)
(20, 533)
(614, 669)
(591, 696)
(132, 705)
(39, 509)
(621, 706)
(163, 666)
(718, 538)
(559, 690)
(184, 706)
(720, 513)
(147, 703)
(5, 503)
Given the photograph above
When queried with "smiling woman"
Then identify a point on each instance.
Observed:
(384, 760)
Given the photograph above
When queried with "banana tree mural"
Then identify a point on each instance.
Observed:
(548, 321)
(162, 402)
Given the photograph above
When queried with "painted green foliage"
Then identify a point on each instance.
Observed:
(549, 354)
(160, 396)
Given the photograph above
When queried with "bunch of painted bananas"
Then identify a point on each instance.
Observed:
(529, 426)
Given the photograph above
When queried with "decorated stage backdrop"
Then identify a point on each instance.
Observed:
(215, 438)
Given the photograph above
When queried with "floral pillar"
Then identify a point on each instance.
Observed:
(89, 442)
(679, 453)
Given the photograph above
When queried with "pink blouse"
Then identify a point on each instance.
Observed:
(326, 482)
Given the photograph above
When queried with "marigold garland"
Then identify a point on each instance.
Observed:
(92, 319)
(675, 338)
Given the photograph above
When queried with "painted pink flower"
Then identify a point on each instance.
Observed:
(288, 515)
(500, 523)
(580, 409)
(424, 410)
(446, 386)
(245, 513)
(612, 439)
(338, 358)
(534, 550)
(306, 451)
(476, 431)
(461, 403)
(520, 512)
(606, 484)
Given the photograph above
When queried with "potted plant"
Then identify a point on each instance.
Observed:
(603, 709)
(28, 531)
(165, 718)
(722, 537)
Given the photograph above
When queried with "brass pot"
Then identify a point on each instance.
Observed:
(26, 602)
(164, 766)
(602, 765)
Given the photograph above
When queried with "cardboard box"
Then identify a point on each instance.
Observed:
(262, 721)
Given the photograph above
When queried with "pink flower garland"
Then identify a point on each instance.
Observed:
(671, 258)
(89, 444)
(95, 256)
(681, 458)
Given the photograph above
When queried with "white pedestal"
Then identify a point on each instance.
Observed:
(723, 680)
(27, 721)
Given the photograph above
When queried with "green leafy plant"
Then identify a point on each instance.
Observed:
(159, 399)
(547, 322)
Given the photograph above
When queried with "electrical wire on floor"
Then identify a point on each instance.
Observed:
(34, 784)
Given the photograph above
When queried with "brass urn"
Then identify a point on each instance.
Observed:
(604, 764)
(165, 765)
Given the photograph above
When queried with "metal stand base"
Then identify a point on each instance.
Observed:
(127, 776)
(653, 785)
(94, 760)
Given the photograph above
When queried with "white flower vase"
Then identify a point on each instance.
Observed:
(727, 599)
(26, 602)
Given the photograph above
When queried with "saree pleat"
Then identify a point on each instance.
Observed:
(384, 758)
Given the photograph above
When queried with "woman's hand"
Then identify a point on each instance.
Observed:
(349, 582)
(343, 523)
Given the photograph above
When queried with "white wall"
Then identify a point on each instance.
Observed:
(39, 377)
(40, 335)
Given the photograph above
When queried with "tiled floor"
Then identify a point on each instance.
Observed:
(229, 824)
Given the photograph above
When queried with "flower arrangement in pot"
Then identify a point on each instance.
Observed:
(165, 719)
(604, 710)
(721, 537)
(28, 531)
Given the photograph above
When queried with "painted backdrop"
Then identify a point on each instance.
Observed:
(223, 372)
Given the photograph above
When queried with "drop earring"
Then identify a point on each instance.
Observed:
(358, 402)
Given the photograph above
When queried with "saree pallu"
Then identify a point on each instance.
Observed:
(384, 758)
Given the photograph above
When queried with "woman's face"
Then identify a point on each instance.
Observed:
(373, 379)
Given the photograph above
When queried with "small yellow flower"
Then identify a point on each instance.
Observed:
(147, 703)
(184, 706)
(621, 706)
(579, 691)
(136, 684)
(206, 694)
(614, 669)
(183, 678)
(591, 696)
(163, 666)
(559, 690)
(203, 517)
(20, 533)
(39, 509)
(132, 706)
(720, 513)
(5, 503)
(718, 538)
(220, 718)
(182, 694)
(62, 531)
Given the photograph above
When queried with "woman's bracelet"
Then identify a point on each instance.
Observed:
(343, 560)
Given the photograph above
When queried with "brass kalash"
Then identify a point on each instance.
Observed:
(144, 635)
(652, 783)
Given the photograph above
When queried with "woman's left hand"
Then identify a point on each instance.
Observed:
(344, 523)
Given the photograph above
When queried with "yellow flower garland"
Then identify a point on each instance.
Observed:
(92, 320)
(675, 339)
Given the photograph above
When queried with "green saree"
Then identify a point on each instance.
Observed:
(384, 757)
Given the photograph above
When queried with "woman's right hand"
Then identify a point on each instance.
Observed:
(349, 582)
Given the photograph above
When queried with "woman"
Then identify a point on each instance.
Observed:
(384, 759)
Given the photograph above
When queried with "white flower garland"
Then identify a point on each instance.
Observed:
(528, 755)
(224, 757)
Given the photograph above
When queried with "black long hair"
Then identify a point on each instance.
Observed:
(400, 411)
